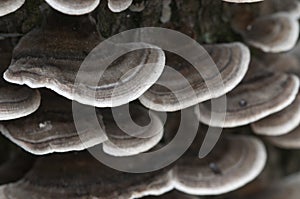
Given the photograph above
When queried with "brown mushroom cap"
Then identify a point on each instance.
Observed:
(190, 88)
(74, 7)
(119, 5)
(287, 141)
(77, 176)
(51, 128)
(234, 162)
(9, 6)
(52, 55)
(261, 93)
(281, 122)
(134, 137)
(17, 101)
(242, 1)
(273, 33)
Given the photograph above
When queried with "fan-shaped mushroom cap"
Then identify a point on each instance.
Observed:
(261, 93)
(14, 162)
(232, 61)
(74, 7)
(17, 101)
(9, 6)
(279, 123)
(285, 188)
(126, 137)
(242, 1)
(234, 162)
(52, 55)
(50, 129)
(77, 176)
(119, 5)
(287, 141)
(273, 33)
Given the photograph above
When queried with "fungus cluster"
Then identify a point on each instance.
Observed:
(45, 155)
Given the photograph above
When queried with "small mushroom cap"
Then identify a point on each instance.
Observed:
(172, 195)
(284, 188)
(138, 134)
(52, 55)
(74, 7)
(234, 162)
(51, 128)
(17, 101)
(9, 6)
(190, 88)
(77, 176)
(261, 93)
(281, 122)
(287, 141)
(242, 1)
(273, 33)
(119, 5)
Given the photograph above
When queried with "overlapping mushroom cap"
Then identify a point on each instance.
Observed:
(119, 5)
(41, 59)
(189, 87)
(261, 93)
(9, 6)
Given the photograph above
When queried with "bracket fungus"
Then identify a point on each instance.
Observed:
(52, 176)
(50, 129)
(41, 59)
(273, 33)
(74, 7)
(291, 7)
(281, 122)
(143, 132)
(189, 87)
(234, 162)
(119, 5)
(9, 6)
(261, 93)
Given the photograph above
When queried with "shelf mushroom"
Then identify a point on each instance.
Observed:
(74, 7)
(79, 175)
(51, 57)
(119, 5)
(9, 6)
(273, 33)
(190, 87)
(234, 162)
(292, 7)
(287, 141)
(172, 195)
(262, 92)
(280, 123)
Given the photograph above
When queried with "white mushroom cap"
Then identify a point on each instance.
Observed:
(124, 80)
(188, 87)
(273, 33)
(74, 7)
(242, 1)
(9, 6)
(119, 5)
(279, 123)
(79, 175)
(261, 93)
(131, 134)
(287, 141)
(234, 162)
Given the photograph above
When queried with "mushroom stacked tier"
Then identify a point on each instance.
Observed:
(46, 147)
